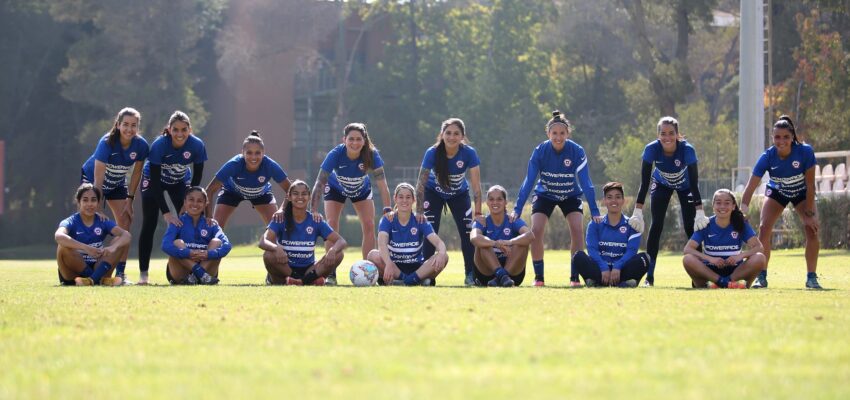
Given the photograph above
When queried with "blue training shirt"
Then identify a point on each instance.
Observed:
(348, 176)
(301, 245)
(465, 159)
(787, 176)
(175, 162)
(722, 242)
(196, 237)
(562, 174)
(406, 241)
(117, 159)
(93, 235)
(506, 231)
(236, 178)
(614, 245)
(671, 171)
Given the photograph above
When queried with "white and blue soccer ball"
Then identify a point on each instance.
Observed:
(363, 273)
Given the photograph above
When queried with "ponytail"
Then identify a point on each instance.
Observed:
(175, 117)
(290, 220)
(785, 122)
(737, 219)
(254, 137)
(441, 162)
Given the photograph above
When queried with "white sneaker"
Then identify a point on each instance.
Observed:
(143, 278)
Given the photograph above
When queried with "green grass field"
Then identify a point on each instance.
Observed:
(242, 339)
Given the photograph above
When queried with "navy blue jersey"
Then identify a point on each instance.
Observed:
(722, 242)
(671, 171)
(117, 159)
(405, 241)
(505, 231)
(562, 174)
(465, 159)
(301, 245)
(612, 244)
(93, 235)
(196, 237)
(348, 176)
(175, 162)
(787, 176)
(236, 178)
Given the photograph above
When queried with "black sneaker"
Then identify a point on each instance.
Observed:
(470, 280)
(506, 281)
(208, 279)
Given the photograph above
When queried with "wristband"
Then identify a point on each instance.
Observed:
(131, 196)
(387, 209)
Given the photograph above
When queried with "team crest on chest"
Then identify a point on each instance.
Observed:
(623, 229)
(506, 231)
(204, 232)
(413, 230)
(187, 155)
(795, 164)
(361, 167)
(309, 230)
(734, 234)
(132, 155)
(568, 162)
(459, 163)
(261, 179)
(678, 163)
(98, 231)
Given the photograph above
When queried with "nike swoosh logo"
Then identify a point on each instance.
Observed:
(79, 233)
(774, 167)
(712, 235)
(342, 166)
(239, 177)
(114, 154)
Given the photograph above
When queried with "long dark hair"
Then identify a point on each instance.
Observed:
(287, 210)
(368, 147)
(177, 116)
(785, 122)
(115, 132)
(737, 217)
(441, 163)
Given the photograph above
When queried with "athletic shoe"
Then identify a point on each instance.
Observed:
(506, 281)
(329, 281)
(269, 279)
(761, 281)
(575, 284)
(470, 280)
(425, 282)
(398, 282)
(320, 281)
(590, 283)
(293, 282)
(812, 283)
(208, 279)
(80, 281)
(190, 280)
(631, 283)
(649, 281)
(110, 281)
(741, 284)
(712, 285)
(124, 280)
(539, 283)
(143, 278)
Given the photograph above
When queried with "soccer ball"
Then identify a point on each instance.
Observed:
(363, 273)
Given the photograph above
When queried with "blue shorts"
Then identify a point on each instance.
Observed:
(118, 193)
(298, 272)
(233, 199)
(540, 204)
(332, 194)
(407, 268)
(782, 200)
(725, 270)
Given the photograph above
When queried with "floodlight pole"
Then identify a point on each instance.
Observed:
(751, 137)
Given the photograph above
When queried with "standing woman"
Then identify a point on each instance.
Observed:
(792, 180)
(501, 245)
(564, 176)
(81, 255)
(675, 162)
(442, 182)
(290, 246)
(118, 151)
(344, 175)
(167, 170)
(247, 176)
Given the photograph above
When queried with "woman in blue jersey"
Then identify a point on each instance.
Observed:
(344, 175)
(442, 182)
(564, 175)
(117, 152)
(247, 176)
(791, 165)
(676, 170)
(612, 257)
(399, 257)
(722, 263)
(290, 245)
(195, 248)
(82, 257)
(167, 171)
(501, 245)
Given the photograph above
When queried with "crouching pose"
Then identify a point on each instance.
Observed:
(722, 264)
(290, 245)
(196, 247)
(81, 256)
(612, 257)
(399, 256)
(501, 246)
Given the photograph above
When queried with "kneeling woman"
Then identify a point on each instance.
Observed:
(196, 247)
(399, 256)
(290, 245)
(82, 258)
(501, 246)
(722, 263)
(612, 257)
